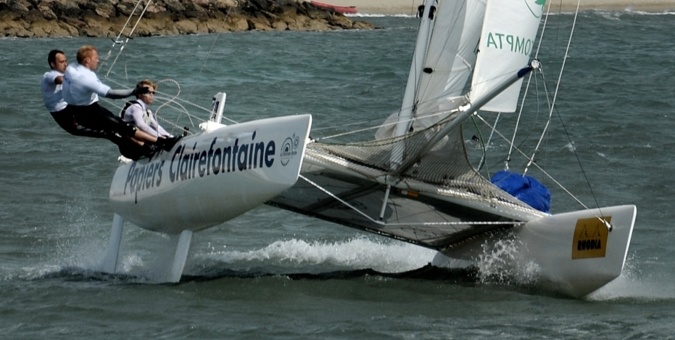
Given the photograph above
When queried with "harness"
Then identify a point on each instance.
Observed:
(146, 115)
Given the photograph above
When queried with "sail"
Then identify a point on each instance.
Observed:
(507, 40)
(442, 64)
(450, 57)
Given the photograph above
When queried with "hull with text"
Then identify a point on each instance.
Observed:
(211, 177)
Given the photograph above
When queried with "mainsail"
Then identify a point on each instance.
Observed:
(414, 181)
(450, 58)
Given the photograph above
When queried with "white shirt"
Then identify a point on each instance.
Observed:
(81, 86)
(51, 92)
(135, 114)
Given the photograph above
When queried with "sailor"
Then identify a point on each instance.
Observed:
(51, 86)
(81, 88)
(136, 112)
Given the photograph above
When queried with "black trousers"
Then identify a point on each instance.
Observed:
(98, 122)
(97, 118)
(66, 120)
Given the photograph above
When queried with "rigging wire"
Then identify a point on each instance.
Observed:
(207, 59)
(526, 91)
(554, 109)
(522, 153)
(128, 36)
(369, 127)
(559, 80)
(483, 144)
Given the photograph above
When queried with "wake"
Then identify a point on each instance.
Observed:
(351, 259)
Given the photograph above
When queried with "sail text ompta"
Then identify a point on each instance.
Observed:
(510, 42)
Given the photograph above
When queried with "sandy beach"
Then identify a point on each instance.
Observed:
(409, 6)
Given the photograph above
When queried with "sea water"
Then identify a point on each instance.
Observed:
(271, 273)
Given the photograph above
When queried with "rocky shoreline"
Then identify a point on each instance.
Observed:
(68, 18)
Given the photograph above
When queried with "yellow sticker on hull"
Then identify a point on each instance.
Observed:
(590, 238)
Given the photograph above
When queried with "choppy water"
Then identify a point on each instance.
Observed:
(270, 273)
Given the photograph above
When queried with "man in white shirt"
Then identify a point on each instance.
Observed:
(81, 89)
(51, 86)
(52, 80)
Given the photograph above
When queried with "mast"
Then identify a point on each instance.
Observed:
(408, 104)
(421, 45)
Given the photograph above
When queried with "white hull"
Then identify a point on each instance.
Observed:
(574, 252)
(211, 177)
(571, 252)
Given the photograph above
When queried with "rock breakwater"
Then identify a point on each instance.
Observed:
(61, 18)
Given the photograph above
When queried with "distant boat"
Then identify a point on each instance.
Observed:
(337, 9)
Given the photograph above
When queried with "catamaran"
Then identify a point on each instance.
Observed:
(412, 179)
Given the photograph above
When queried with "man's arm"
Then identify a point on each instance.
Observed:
(123, 93)
(159, 128)
(53, 77)
(119, 94)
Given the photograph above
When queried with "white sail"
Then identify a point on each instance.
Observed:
(507, 40)
(442, 64)
(451, 55)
